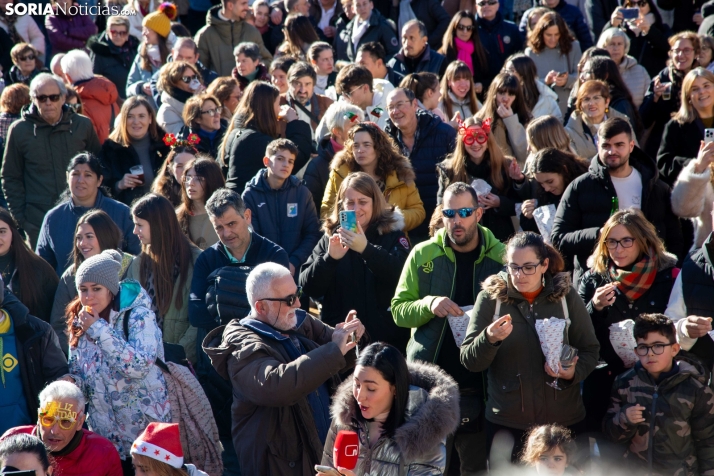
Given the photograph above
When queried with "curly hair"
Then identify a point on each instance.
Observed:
(545, 438)
(535, 37)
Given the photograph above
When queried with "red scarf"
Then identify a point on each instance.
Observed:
(635, 282)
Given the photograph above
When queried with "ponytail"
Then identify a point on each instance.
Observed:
(542, 250)
(420, 83)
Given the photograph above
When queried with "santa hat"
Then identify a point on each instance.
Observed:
(160, 441)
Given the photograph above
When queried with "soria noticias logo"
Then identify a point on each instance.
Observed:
(46, 9)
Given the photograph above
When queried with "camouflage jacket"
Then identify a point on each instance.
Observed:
(677, 437)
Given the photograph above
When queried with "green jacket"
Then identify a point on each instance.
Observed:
(518, 396)
(176, 329)
(677, 437)
(429, 273)
(36, 159)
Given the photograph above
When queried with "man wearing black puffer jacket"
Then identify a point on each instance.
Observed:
(620, 176)
(425, 140)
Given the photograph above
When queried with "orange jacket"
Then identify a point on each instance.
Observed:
(99, 96)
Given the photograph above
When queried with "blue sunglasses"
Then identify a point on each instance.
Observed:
(463, 212)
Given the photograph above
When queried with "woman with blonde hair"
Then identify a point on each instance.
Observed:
(364, 265)
(369, 149)
(178, 81)
(458, 93)
(630, 273)
(478, 156)
(547, 131)
(685, 154)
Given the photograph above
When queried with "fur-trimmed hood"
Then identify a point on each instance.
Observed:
(432, 410)
(668, 260)
(498, 287)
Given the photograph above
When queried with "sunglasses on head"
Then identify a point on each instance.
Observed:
(464, 27)
(290, 300)
(463, 212)
(45, 97)
(27, 58)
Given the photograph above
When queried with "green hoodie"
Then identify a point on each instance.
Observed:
(429, 273)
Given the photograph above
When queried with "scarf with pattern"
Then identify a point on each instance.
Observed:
(10, 21)
(635, 282)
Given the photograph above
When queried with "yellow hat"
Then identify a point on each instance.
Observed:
(160, 20)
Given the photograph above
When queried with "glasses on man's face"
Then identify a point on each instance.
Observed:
(193, 178)
(527, 269)
(188, 79)
(118, 32)
(489, 2)
(213, 112)
(349, 94)
(462, 212)
(64, 423)
(27, 58)
(612, 243)
(48, 97)
(461, 27)
(657, 349)
(289, 300)
(684, 51)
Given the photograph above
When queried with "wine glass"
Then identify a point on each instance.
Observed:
(567, 356)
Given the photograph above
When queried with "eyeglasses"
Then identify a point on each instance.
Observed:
(684, 51)
(625, 243)
(642, 3)
(66, 423)
(188, 79)
(118, 33)
(51, 97)
(463, 212)
(464, 27)
(213, 112)
(657, 349)
(190, 178)
(489, 2)
(527, 269)
(27, 58)
(349, 94)
(290, 300)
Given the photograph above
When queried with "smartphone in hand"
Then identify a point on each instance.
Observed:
(708, 135)
(348, 220)
(630, 13)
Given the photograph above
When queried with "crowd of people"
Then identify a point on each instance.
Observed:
(478, 234)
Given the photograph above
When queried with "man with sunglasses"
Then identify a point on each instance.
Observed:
(282, 363)
(499, 37)
(74, 450)
(441, 276)
(38, 149)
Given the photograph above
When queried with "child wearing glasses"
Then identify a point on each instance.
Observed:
(662, 409)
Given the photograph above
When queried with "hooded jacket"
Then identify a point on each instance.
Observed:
(286, 216)
(99, 102)
(36, 157)
(217, 39)
(417, 447)
(636, 78)
(677, 437)
(429, 273)
(518, 396)
(111, 61)
(380, 30)
(170, 114)
(104, 364)
(274, 430)
(363, 281)
(587, 202)
(68, 32)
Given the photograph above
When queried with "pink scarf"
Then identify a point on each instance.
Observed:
(464, 50)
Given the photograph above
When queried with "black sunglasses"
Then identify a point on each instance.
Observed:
(27, 58)
(45, 97)
(463, 212)
(489, 2)
(464, 27)
(290, 300)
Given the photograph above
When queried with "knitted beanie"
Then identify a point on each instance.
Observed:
(102, 269)
(162, 442)
(160, 20)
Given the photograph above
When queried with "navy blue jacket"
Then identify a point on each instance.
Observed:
(286, 216)
(431, 62)
(56, 239)
(436, 140)
(573, 17)
(500, 39)
(317, 171)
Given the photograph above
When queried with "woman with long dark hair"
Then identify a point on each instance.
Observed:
(28, 276)
(136, 141)
(462, 42)
(95, 232)
(540, 99)
(169, 180)
(458, 93)
(426, 89)
(164, 268)
(254, 126)
(203, 177)
(402, 413)
(505, 105)
(84, 192)
(299, 35)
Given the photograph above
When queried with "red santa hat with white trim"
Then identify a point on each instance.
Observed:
(160, 441)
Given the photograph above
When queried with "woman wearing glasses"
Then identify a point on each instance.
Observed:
(663, 97)
(202, 116)
(462, 42)
(502, 338)
(177, 82)
(630, 274)
(24, 60)
(169, 180)
(203, 177)
(164, 269)
(477, 156)
(360, 269)
(113, 51)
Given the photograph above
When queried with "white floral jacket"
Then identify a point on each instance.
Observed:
(125, 389)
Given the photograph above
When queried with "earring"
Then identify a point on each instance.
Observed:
(607, 109)
(542, 279)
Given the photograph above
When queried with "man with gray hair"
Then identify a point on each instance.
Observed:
(75, 451)
(248, 66)
(38, 149)
(98, 94)
(282, 363)
(416, 55)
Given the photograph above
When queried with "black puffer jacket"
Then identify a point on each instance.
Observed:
(436, 140)
(317, 171)
(680, 144)
(657, 114)
(365, 282)
(587, 202)
(111, 61)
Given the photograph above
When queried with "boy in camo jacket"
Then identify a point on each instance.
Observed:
(662, 408)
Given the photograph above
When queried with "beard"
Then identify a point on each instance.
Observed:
(287, 322)
(469, 234)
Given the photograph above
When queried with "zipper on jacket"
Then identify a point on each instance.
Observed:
(523, 405)
(650, 450)
(443, 327)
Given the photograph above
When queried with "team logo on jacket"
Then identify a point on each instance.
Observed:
(506, 39)
(428, 267)
(405, 243)
(292, 210)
